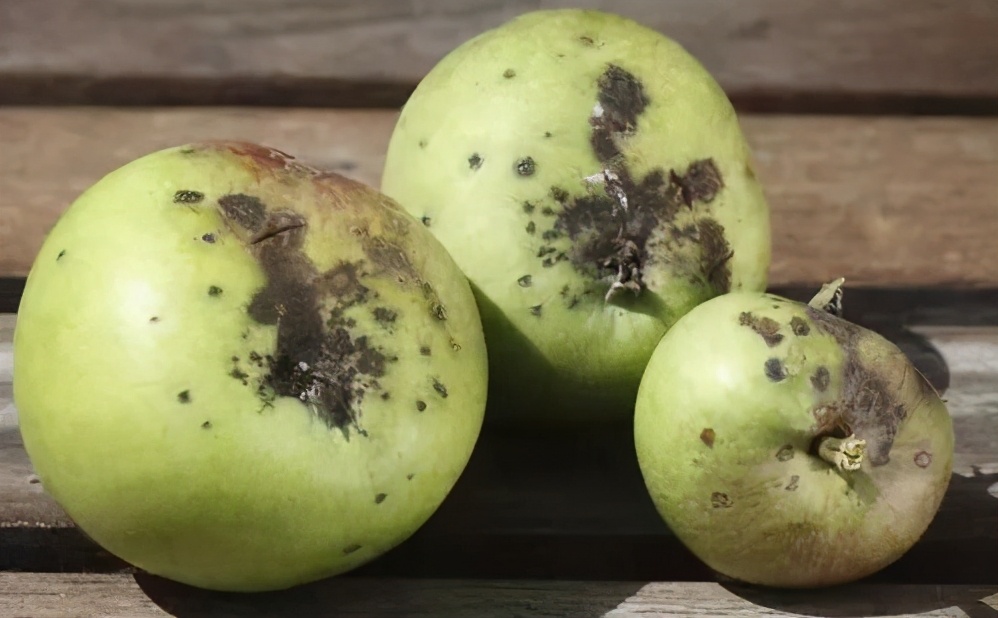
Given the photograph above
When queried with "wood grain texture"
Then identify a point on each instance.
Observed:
(573, 505)
(766, 53)
(880, 201)
(110, 596)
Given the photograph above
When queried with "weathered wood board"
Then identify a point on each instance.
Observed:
(841, 55)
(880, 201)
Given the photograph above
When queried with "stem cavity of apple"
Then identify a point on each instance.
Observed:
(844, 453)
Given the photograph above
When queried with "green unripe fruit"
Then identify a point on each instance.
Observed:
(788, 447)
(592, 181)
(241, 373)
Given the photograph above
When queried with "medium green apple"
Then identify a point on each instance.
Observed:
(591, 179)
(788, 447)
(241, 373)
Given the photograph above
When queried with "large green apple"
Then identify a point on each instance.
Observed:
(786, 446)
(591, 179)
(241, 373)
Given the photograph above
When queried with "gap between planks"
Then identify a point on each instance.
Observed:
(142, 596)
(888, 56)
(880, 201)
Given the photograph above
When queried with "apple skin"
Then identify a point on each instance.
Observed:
(556, 156)
(243, 374)
(728, 413)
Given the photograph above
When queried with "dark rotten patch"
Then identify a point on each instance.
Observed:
(767, 328)
(611, 225)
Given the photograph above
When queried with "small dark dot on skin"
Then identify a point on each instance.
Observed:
(720, 500)
(821, 379)
(214, 290)
(774, 370)
(424, 350)
(509, 73)
(799, 326)
(475, 161)
(378, 499)
(535, 310)
(184, 396)
(531, 228)
(409, 476)
(154, 319)
(440, 388)
(528, 207)
(420, 405)
(792, 485)
(422, 143)
(61, 253)
(208, 238)
(707, 437)
(349, 549)
(547, 134)
(526, 166)
(547, 211)
(440, 312)
(786, 453)
(525, 281)
(559, 194)
(923, 459)
(455, 346)
(587, 41)
(187, 197)
(206, 425)
(426, 220)
(386, 395)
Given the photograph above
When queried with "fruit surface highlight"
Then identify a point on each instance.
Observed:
(591, 179)
(241, 373)
(788, 447)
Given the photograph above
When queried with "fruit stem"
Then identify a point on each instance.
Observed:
(829, 297)
(843, 453)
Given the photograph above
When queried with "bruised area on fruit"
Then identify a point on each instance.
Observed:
(319, 358)
(872, 404)
(624, 223)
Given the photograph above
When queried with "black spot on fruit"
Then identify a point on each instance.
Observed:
(525, 281)
(767, 328)
(214, 291)
(206, 425)
(60, 256)
(184, 396)
(384, 315)
(535, 310)
(531, 227)
(440, 388)
(587, 41)
(154, 319)
(612, 229)
(774, 369)
(707, 437)
(547, 134)
(720, 500)
(422, 143)
(245, 210)
(526, 166)
(799, 326)
(378, 499)
(528, 207)
(420, 405)
(475, 161)
(793, 484)
(509, 73)
(821, 379)
(409, 476)
(425, 220)
(188, 197)
(208, 238)
(786, 453)
(424, 350)
(349, 549)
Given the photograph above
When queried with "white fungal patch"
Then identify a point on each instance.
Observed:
(597, 110)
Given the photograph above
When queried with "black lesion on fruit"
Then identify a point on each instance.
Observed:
(206, 425)
(154, 319)
(870, 405)
(793, 484)
(424, 350)
(410, 476)
(214, 290)
(531, 227)
(799, 326)
(525, 281)
(765, 327)
(188, 197)
(528, 207)
(425, 220)
(475, 161)
(720, 500)
(587, 41)
(786, 453)
(184, 396)
(707, 437)
(349, 549)
(612, 225)
(384, 316)
(208, 238)
(378, 499)
(420, 405)
(509, 73)
(526, 166)
(821, 379)
(535, 310)
(60, 256)
(775, 370)
(440, 388)
(246, 210)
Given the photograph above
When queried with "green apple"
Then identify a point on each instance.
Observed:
(788, 447)
(591, 179)
(241, 373)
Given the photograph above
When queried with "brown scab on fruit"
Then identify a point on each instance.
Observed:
(923, 459)
(424, 350)
(720, 500)
(316, 359)
(214, 291)
(420, 405)
(535, 310)
(526, 166)
(525, 281)
(707, 437)
(615, 226)
(378, 499)
(767, 328)
(425, 220)
(187, 197)
(206, 425)
(184, 396)
(440, 388)
(799, 326)
(509, 73)
(793, 484)
(786, 453)
(475, 161)
(821, 379)
(775, 370)
(384, 315)
(208, 238)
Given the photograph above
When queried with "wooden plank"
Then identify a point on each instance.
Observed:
(108, 596)
(573, 505)
(914, 55)
(880, 201)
